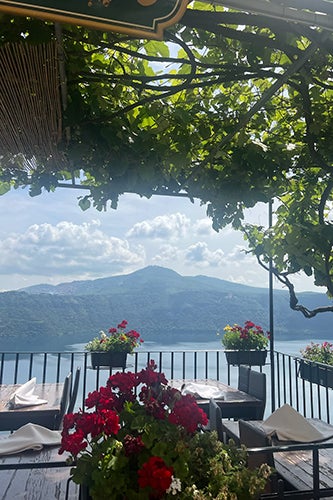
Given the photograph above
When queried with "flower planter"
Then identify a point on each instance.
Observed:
(110, 359)
(316, 373)
(250, 358)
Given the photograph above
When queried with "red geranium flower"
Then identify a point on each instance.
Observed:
(187, 413)
(117, 340)
(156, 475)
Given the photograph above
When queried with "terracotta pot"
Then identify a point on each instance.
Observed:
(249, 358)
(112, 359)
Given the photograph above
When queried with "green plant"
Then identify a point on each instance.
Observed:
(240, 338)
(143, 440)
(319, 353)
(117, 340)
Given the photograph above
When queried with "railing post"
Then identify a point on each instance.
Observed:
(315, 471)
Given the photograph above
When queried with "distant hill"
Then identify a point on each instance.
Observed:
(160, 303)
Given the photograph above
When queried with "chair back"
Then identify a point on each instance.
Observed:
(252, 437)
(257, 388)
(243, 378)
(75, 389)
(215, 418)
(64, 401)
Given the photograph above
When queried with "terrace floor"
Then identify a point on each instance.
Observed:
(284, 385)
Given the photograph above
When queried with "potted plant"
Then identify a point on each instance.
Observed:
(317, 363)
(142, 439)
(245, 345)
(111, 349)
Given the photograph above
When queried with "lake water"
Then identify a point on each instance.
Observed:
(291, 347)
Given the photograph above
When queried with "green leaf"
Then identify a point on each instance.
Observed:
(84, 203)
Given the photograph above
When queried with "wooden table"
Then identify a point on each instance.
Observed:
(36, 475)
(296, 466)
(236, 404)
(44, 414)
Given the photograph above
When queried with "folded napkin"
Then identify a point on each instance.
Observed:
(24, 396)
(29, 437)
(202, 391)
(288, 425)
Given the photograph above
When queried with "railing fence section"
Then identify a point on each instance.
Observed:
(308, 396)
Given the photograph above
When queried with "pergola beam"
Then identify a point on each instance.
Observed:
(318, 13)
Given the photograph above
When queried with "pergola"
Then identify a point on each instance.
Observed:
(57, 119)
(42, 69)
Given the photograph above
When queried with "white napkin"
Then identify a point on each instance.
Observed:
(24, 396)
(289, 425)
(29, 437)
(202, 391)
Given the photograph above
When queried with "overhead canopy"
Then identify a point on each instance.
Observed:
(34, 76)
(234, 109)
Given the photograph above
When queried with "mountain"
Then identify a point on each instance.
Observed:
(152, 277)
(160, 303)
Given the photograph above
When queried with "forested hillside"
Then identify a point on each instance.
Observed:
(161, 304)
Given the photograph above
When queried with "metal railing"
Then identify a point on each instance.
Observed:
(311, 396)
(317, 491)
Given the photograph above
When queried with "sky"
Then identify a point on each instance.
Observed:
(49, 239)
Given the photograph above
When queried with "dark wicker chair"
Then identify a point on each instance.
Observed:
(64, 401)
(215, 419)
(74, 392)
(243, 378)
(257, 388)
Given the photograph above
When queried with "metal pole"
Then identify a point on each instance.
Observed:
(271, 313)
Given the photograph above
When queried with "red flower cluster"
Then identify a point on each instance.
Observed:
(249, 336)
(85, 424)
(117, 340)
(319, 353)
(249, 328)
(133, 335)
(124, 423)
(156, 475)
(133, 445)
(186, 413)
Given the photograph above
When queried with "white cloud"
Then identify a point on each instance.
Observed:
(67, 248)
(242, 267)
(167, 255)
(162, 227)
(239, 256)
(203, 227)
(201, 255)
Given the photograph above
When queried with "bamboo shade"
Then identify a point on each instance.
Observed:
(30, 103)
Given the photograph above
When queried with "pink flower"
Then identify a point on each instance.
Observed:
(123, 324)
